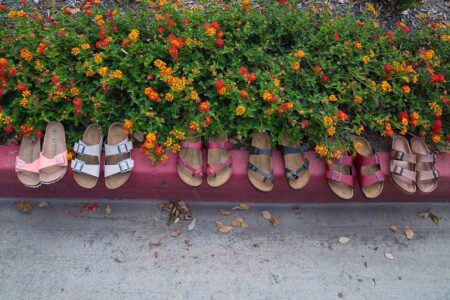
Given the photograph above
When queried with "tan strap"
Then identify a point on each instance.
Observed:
(399, 171)
(426, 158)
(399, 155)
(427, 175)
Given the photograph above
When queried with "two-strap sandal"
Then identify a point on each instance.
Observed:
(296, 166)
(259, 165)
(339, 176)
(370, 176)
(427, 174)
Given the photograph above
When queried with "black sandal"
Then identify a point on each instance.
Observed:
(296, 181)
(256, 164)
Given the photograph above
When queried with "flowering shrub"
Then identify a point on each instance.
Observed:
(168, 70)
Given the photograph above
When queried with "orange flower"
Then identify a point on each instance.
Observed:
(240, 110)
(151, 94)
(357, 100)
(406, 89)
(193, 126)
(331, 131)
(295, 66)
(321, 150)
(436, 138)
(268, 97)
(26, 55)
(342, 116)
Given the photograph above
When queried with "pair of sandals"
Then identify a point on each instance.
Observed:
(413, 167)
(218, 167)
(370, 178)
(259, 165)
(34, 166)
(88, 150)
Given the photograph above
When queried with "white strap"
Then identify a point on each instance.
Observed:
(79, 166)
(123, 147)
(123, 166)
(83, 149)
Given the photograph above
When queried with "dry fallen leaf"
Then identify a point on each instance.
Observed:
(239, 222)
(266, 215)
(276, 221)
(224, 212)
(225, 229)
(43, 204)
(25, 207)
(409, 233)
(156, 241)
(389, 255)
(108, 210)
(241, 206)
(178, 211)
(429, 214)
(192, 225)
(175, 232)
(393, 228)
(343, 240)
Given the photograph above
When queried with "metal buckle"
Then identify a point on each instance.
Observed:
(434, 159)
(399, 155)
(19, 165)
(333, 176)
(78, 167)
(77, 150)
(124, 167)
(122, 148)
(379, 176)
(436, 174)
(398, 170)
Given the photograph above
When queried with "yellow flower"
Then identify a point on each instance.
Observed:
(415, 79)
(331, 131)
(365, 59)
(85, 65)
(117, 74)
(332, 98)
(267, 96)
(103, 71)
(74, 91)
(134, 35)
(194, 96)
(358, 146)
(159, 64)
(90, 73)
(385, 86)
(403, 131)
(26, 93)
(24, 102)
(169, 97)
(210, 31)
(328, 121)
(371, 8)
(25, 54)
(321, 150)
(436, 138)
(405, 79)
(371, 53)
(428, 54)
(357, 100)
(150, 137)
(299, 54)
(21, 14)
(445, 37)
(373, 86)
(240, 110)
(98, 58)
(193, 126)
(295, 66)
(85, 46)
(337, 154)
(75, 51)
(245, 2)
(376, 24)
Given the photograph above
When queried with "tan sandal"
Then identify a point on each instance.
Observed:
(402, 165)
(53, 159)
(219, 163)
(27, 162)
(260, 162)
(295, 164)
(190, 162)
(370, 177)
(86, 164)
(118, 162)
(427, 175)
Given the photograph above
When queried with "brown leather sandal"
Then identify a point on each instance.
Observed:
(402, 165)
(427, 174)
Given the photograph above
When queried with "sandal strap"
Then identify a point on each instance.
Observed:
(198, 172)
(257, 151)
(80, 166)
(123, 166)
(365, 161)
(59, 160)
(427, 175)
(402, 156)
(267, 176)
(340, 177)
(191, 145)
(368, 180)
(400, 171)
(221, 145)
(21, 165)
(212, 171)
(83, 149)
(426, 158)
(124, 146)
(293, 175)
(293, 150)
(346, 160)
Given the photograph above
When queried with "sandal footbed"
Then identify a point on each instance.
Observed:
(376, 189)
(54, 144)
(216, 157)
(419, 147)
(29, 151)
(293, 162)
(195, 159)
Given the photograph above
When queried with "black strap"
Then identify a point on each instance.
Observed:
(292, 150)
(293, 175)
(267, 176)
(258, 151)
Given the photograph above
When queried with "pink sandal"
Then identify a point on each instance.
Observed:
(190, 163)
(219, 163)
(27, 162)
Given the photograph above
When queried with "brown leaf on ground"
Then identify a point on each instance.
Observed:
(393, 228)
(276, 221)
(24, 207)
(429, 214)
(241, 206)
(178, 211)
(224, 212)
(43, 204)
(175, 232)
(409, 233)
(225, 229)
(266, 215)
(389, 255)
(191, 226)
(297, 210)
(108, 210)
(239, 222)
(156, 241)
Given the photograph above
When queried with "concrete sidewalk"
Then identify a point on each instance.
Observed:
(55, 253)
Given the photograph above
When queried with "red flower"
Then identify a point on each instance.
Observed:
(361, 24)
(220, 34)
(204, 106)
(170, 23)
(12, 72)
(387, 68)
(8, 129)
(251, 77)
(215, 25)
(21, 87)
(23, 2)
(342, 116)
(243, 70)
(219, 43)
(437, 78)
(403, 115)
(220, 84)
(185, 22)
(446, 101)
(243, 94)
(2, 7)
(39, 134)
(317, 69)
(390, 36)
(77, 102)
(324, 78)
(337, 37)
(160, 30)
(305, 124)
(437, 126)
(67, 11)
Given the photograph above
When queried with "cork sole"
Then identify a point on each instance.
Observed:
(29, 152)
(216, 157)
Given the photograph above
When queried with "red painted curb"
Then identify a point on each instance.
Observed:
(162, 183)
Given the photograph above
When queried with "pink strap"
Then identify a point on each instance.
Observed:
(427, 175)
(198, 172)
(339, 177)
(365, 161)
(223, 165)
(426, 158)
(58, 160)
(222, 145)
(344, 161)
(21, 165)
(191, 145)
(368, 180)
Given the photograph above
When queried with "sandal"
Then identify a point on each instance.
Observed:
(340, 178)
(295, 164)
(190, 162)
(118, 162)
(370, 177)
(53, 158)
(219, 163)
(402, 165)
(427, 175)
(27, 162)
(86, 164)
(260, 163)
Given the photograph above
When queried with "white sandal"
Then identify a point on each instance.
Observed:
(86, 164)
(118, 162)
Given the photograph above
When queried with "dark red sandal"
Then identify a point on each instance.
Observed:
(190, 163)
(339, 177)
(218, 168)
(370, 177)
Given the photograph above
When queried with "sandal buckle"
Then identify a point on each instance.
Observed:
(380, 176)
(397, 171)
(19, 165)
(78, 166)
(122, 148)
(399, 155)
(436, 174)
(124, 167)
(336, 176)
(80, 149)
